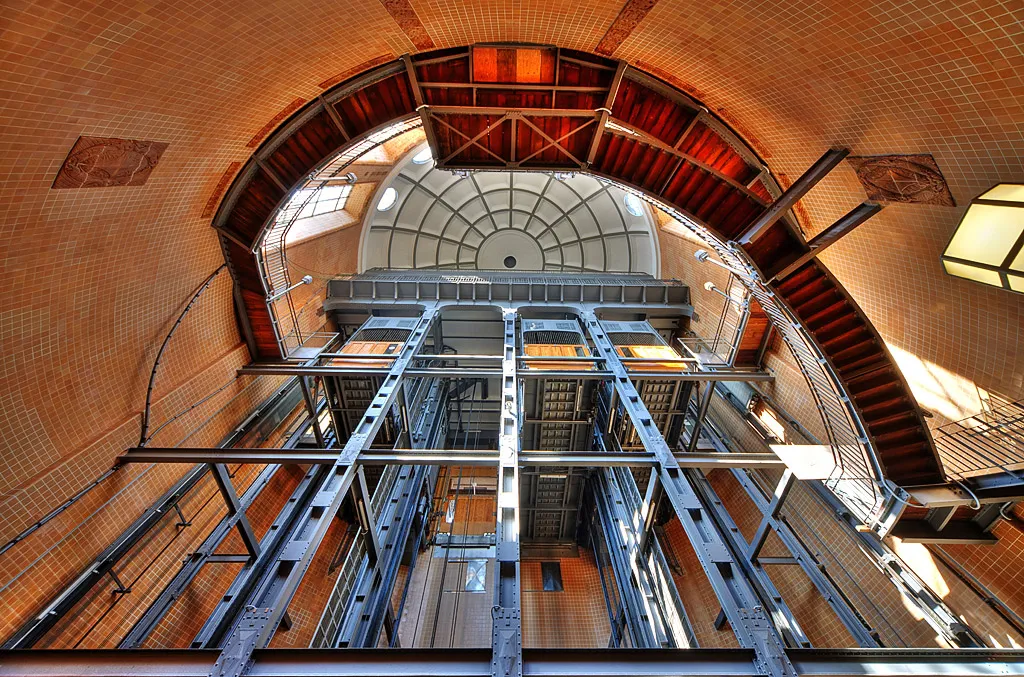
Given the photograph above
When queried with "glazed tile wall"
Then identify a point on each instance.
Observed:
(95, 276)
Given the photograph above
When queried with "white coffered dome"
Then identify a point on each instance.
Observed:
(422, 217)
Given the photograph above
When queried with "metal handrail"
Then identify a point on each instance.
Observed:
(271, 255)
(987, 443)
(858, 479)
(732, 322)
(163, 347)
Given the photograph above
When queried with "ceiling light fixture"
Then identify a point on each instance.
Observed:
(988, 243)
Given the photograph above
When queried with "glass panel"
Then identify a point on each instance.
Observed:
(1018, 261)
(551, 576)
(476, 575)
(1016, 283)
(1011, 192)
(986, 234)
(971, 273)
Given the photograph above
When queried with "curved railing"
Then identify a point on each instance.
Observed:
(857, 478)
(271, 255)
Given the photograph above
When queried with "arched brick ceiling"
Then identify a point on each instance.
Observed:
(97, 274)
(563, 223)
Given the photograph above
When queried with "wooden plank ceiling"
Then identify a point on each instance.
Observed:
(545, 108)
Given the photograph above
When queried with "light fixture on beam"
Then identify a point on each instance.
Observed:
(988, 244)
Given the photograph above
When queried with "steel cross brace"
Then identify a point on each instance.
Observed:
(192, 565)
(653, 619)
(771, 512)
(369, 605)
(847, 614)
(506, 628)
(257, 626)
(751, 625)
(776, 607)
(235, 509)
(233, 601)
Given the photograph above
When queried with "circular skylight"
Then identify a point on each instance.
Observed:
(388, 199)
(633, 204)
(423, 157)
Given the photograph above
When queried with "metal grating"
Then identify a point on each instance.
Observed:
(633, 338)
(553, 338)
(383, 335)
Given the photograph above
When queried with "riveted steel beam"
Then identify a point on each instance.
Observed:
(537, 662)
(751, 625)
(506, 616)
(257, 625)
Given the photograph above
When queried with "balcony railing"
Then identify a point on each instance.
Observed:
(988, 443)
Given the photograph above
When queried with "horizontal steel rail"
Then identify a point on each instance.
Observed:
(453, 372)
(445, 457)
(536, 662)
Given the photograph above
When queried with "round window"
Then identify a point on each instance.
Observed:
(422, 157)
(388, 199)
(633, 204)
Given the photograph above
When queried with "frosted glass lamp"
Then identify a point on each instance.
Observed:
(988, 244)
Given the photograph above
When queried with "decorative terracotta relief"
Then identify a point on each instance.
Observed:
(98, 163)
(629, 18)
(408, 20)
(903, 178)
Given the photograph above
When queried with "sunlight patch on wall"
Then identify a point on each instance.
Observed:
(937, 389)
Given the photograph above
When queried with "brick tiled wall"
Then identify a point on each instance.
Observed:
(576, 617)
(95, 276)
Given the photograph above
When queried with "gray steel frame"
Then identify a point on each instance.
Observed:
(260, 620)
(506, 629)
(536, 662)
(740, 590)
(751, 625)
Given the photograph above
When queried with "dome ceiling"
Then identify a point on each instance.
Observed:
(525, 221)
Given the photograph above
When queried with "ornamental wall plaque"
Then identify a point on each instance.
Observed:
(903, 178)
(97, 163)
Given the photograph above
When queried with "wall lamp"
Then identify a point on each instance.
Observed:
(704, 256)
(710, 286)
(988, 243)
(308, 279)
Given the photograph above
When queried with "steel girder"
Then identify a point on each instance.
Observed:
(257, 625)
(751, 625)
(506, 628)
(103, 565)
(536, 662)
(478, 457)
(368, 610)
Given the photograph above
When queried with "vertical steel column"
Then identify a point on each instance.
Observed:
(740, 603)
(259, 622)
(506, 628)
